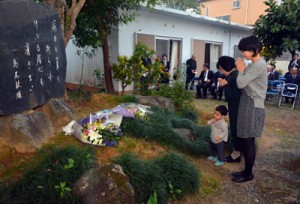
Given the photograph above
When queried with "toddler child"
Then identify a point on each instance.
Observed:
(218, 135)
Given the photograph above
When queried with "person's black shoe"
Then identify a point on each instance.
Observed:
(238, 173)
(229, 159)
(242, 178)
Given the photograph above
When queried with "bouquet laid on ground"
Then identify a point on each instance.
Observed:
(132, 110)
(102, 128)
(102, 133)
(99, 129)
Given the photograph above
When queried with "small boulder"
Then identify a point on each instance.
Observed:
(25, 132)
(158, 101)
(184, 133)
(104, 184)
(58, 111)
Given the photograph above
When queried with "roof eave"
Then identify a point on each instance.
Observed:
(196, 17)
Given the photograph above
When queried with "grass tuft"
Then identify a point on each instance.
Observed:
(60, 165)
(170, 176)
(159, 127)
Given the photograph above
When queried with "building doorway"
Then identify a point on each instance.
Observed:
(172, 48)
(212, 53)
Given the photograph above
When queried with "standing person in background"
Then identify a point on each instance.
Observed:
(191, 67)
(166, 69)
(295, 62)
(251, 115)
(232, 97)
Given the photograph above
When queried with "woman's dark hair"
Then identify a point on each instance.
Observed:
(250, 43)
(227, 63)
(164, 55)
(222, 109)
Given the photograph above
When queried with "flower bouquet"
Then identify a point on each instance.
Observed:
(99, 129)
(101, 133)
(132, 110)
(102, 128)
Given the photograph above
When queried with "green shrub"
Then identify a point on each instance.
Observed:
(181, 98)
(145, 178)
(165, 176)
(182, 123)
(159, 127)
(128, 99)
(180, 173)
(51, 180)
(190, 114)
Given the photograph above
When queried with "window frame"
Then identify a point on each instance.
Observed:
(236, 4)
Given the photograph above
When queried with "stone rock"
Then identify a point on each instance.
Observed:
(25, 132)
(59, 112)
(104, 184)
(156, 101)
(28, 131)
(184, 133)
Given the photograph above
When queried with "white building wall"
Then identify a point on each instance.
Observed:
(158, 24)
(176, 27)
(74, 66)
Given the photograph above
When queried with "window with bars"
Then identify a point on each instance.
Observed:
(236, 4)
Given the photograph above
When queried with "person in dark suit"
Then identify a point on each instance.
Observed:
(166, 69)
(295, 62)
(275, 72)
(271, 76)
(205, 81)
(232, 97)
(215, 87)
(287, 73)
(293, 78)
(191, 66)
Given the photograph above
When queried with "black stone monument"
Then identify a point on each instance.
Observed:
(32, 56)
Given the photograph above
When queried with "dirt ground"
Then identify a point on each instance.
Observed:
(277, 165)
(276, 170)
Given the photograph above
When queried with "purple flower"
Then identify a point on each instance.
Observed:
(110, 144)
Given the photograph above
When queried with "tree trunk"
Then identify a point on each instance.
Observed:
(71, 16)
(68, 22)
(107, 65)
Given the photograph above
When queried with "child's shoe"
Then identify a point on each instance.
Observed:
(212, 158)
(219, 163)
